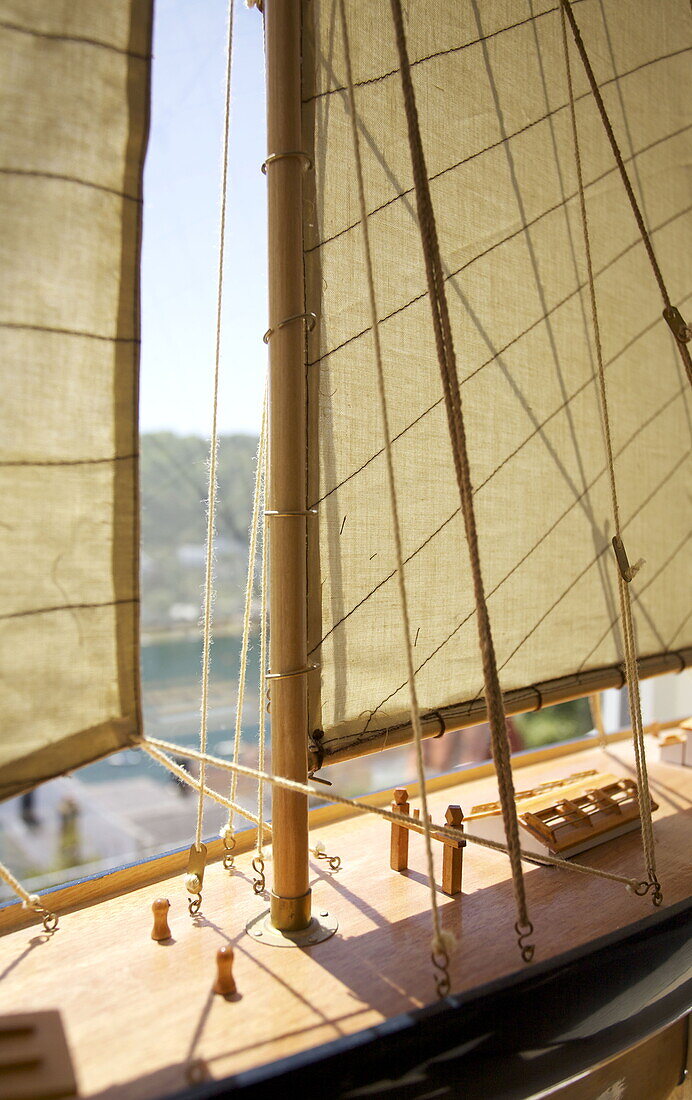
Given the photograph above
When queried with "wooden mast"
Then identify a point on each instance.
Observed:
(290, 899)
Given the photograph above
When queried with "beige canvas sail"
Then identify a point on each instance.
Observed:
(70, 184)
(492, 97)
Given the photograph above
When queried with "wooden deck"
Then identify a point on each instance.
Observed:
(138, 1013)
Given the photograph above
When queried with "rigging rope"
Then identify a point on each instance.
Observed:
(625, 573)
(206, 791)
(447, 361)
(441, 944)
(263, 656)
(150, 745)
(680, 335)
(597, 719)
(214, 444)
(29, 901)
(227, 833)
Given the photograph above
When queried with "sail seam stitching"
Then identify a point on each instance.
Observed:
(58, 177)
(452, 274)
(68, 607)
(435, 404)
(518, 565)
(637, 596)
(623, 579)
(497, 145)
(75, 39)
(566, 12)
(336, 745)
(431, 56)
(28, 327)
(440, 948)
(600, 554)
(67, 461)
(679, 627)
(457, 434)
(571, 505)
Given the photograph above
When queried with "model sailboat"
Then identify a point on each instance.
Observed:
(488, 117)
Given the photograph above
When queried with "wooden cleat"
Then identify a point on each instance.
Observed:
(453, 853)
(161, 931)
(398, 852)
(225, 982)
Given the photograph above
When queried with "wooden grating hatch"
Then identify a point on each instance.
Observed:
(566, 816)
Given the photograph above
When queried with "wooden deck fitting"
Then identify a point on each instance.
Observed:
(398, 853)
(596, 811)
(452, 856)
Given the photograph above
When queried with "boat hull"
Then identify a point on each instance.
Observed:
(582, 1017)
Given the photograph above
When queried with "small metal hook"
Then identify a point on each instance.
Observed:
(651, 886)
(440, 960)
(260, 883)
(334, 861)
(523, 932)
(228, 859)
(50, 920)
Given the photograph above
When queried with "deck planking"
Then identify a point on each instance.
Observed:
(138, 1013)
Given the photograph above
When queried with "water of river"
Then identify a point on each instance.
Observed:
(171, 677)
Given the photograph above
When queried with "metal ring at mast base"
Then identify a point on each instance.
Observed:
(291, 914)
(319, 929)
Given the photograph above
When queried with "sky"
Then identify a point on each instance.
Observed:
(181, 222)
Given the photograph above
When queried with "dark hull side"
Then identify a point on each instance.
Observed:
(519, 1037)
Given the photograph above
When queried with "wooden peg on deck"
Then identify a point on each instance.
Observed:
(453, 853)
(160, 908)
(225, 982)
(398, 853)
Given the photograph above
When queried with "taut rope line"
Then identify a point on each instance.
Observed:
(680, 330)
(193, 882)
(450, 383)
(229, 829)
(208, 792)
(441, 943)
(147, 744)
(29, 901)
(258, 862)
(625, 573)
